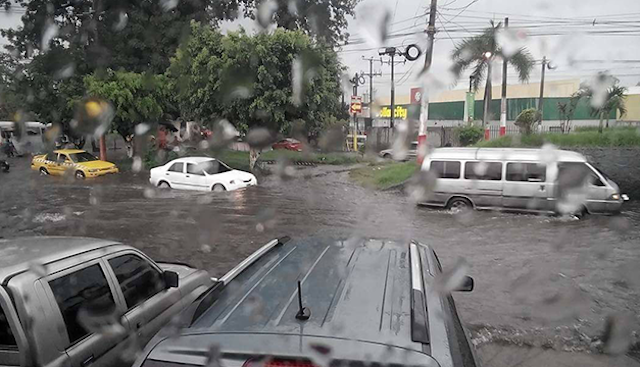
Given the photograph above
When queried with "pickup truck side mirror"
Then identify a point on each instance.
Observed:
(467, 284)
(170, 279)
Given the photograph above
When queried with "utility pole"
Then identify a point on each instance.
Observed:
(487, 97)
(424, 102)
(541, 100)
(357, 80)
(392, 52)
(371, 74)
(503, 102)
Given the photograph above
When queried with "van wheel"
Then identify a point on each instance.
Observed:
(79, 175)
(218, 188)
(458, 205)
(44, 171)
(164, 185)
(387, 156)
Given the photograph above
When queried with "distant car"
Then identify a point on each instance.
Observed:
(288, 144)
(200, 173)
(411, 153)
(77, 162)
(322, 302)
(69, 301)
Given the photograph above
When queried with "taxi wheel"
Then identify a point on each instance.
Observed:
(44, 171)
(80, 175)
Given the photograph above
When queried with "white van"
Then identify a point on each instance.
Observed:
(31, 141)
(533, 180)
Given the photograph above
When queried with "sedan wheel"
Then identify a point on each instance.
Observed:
(218, 188)
(80, 175)
(43, 171)
(164, 185)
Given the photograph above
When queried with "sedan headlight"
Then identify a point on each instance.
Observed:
(615, 197)
(93, 170)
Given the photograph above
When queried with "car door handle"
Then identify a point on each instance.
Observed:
(541, 187)
(187, 176)
(138, 325)
(166, 174)
(88, 361)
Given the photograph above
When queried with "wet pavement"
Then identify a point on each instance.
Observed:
(542, 282)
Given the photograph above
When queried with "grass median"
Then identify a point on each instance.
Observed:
(612, 137)
(383, 176)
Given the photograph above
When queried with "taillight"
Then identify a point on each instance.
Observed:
(276, 362)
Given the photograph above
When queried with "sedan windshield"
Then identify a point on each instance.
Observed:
(83, 157)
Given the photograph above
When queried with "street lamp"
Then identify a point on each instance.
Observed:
(487, 55)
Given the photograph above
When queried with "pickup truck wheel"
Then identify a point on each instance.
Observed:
(80, 175)
(218, 188)
(458, 205)
(44, 171)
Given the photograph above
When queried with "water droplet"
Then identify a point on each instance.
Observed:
(373, 24)
(510, 40)
(123, 18)
(65, 72)
(259, 138)
(296, 76)
(93, 117)
(205, 248)
(320, 354)
(136, 166)
(93, 200)
(260, 227)
(38, 268)
(168, 4)
(142, 128)
(50, 31)
(266, 10)
(617, 333)
(292, 7)
(149, 193)
(213, 356)
(452, 279)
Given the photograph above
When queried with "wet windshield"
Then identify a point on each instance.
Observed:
(372, 134)
(82, 157)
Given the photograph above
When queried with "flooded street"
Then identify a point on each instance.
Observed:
(540, 281)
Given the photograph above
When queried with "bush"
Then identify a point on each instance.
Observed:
(589, 138)
(526, 119)
(469, 135)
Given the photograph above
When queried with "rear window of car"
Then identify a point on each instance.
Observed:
(446, 169)
(491, 171)
(7, 340)
(532, 172)
(177, 167)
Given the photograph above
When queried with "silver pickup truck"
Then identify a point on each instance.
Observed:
(67, 301)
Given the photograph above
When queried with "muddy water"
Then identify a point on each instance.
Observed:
(539, 280)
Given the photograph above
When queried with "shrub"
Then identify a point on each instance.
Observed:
(469, 135)
(526, 119)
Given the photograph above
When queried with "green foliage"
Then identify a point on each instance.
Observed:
(623, 137)
(470, 53)
(526, 119)
(135, 97)
(248, 79)
(469, 135)
(605, 96)
(385, 176)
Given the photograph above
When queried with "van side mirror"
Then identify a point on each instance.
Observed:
(467, 284)
(170, 279)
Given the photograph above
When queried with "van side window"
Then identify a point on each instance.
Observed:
(446, 169)
(532, 172)
(483, 171)
(7, 340)
(138, 280)
(80, 294)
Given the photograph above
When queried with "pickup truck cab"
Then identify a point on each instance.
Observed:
(68, 301)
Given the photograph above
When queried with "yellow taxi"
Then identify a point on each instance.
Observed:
(72, 161)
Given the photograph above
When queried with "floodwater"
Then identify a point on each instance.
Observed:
(540, 281)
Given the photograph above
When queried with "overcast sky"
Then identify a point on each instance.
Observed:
(568, 32)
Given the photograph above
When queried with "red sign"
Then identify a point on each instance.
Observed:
(416, 95)
(356, 105)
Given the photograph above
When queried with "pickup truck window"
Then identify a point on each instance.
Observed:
(7, 340)
(137, 278)
(87, 290)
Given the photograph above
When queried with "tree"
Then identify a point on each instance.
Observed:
(324, 20)
(526, 119)
(478, 51)
(604, 95)
(135, 98)
(262, 81)
(566, 110)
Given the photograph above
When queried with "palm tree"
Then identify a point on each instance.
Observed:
(602, 105)
(479, 51)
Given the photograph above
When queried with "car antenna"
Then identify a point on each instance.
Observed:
(303, 312)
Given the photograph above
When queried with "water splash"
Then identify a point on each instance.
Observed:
(168, 4)
(266, 11)
(50, 31)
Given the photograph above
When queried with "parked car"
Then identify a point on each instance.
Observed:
(295, 302)
(411, 153)
(77, 162)
(200, 173)
(288, 144)
(521, 180)
(76, 302)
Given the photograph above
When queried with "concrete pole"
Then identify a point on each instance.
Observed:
(541, 99)
(503, 102)
(487, 104)
(424, 101)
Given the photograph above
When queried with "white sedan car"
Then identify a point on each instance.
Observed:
(200, 173)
